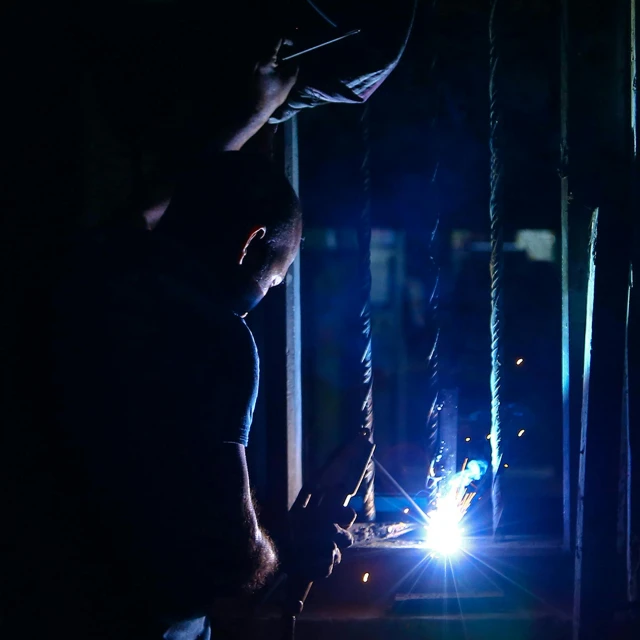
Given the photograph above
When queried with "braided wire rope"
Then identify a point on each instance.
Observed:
(364, 268)
(434, 448)
(496, 268)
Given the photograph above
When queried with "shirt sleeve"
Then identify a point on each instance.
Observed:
(236, 387)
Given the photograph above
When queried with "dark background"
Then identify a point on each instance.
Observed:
(91, 101)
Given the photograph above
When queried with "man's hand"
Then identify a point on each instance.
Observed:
(272, 82)
(269, 86)
(318, 537)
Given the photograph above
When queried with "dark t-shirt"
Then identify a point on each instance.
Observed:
(137, 378)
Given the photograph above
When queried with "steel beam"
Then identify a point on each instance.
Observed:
(604, 180)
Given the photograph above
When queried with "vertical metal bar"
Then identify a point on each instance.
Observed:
(449, 430)
(605, 177)
(633, 354)
(364, 265)
(401, 385)
(293, 333)
(566, 370)
(633, 76)
(578, 576)
(496, 264)
(596, 599)
(564, 216)
(625, 498)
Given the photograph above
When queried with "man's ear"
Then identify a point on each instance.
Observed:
(256, 234)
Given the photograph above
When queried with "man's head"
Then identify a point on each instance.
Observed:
(238, 214)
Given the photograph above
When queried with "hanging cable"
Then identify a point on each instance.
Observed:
(322, 14)
(496, 268)
(364, 265)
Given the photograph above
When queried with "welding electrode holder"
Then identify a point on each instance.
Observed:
(335, 485)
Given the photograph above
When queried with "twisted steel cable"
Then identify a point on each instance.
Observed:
(496, 267)
(433, 417)
(364, 267)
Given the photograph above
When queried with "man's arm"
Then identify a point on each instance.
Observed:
(269, 85)
(261, 552)
(267, 88)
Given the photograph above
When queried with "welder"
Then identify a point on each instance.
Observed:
(127, 508)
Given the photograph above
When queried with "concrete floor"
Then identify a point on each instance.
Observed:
(512, 589)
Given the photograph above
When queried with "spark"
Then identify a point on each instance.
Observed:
(520, 433)
(453, 499)
(467, 439)
(519, 361)
(488, 436)
(506, 466)
(365, 577)
(405, 510)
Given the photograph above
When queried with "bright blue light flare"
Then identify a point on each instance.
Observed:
(443, 538)
(443, 531)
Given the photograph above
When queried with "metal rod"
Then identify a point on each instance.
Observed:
(319, 46)
(364, 265)
(496, 266)
(293, 334)
(564, 220)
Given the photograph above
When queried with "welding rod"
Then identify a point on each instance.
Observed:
(318, 46)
